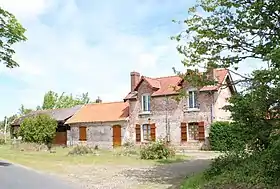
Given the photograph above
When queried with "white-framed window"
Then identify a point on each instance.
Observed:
(192, 99)
(146, 102)
(146, 130)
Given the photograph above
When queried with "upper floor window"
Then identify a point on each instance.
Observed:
(193, 99)
(146, 103)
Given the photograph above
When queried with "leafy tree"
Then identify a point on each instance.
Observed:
(8, 122)
(23, 111)
(222, 34)
(11, 32)
(50, 100)
(38, 129)
(54, 100)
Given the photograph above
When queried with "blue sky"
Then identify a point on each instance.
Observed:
(89, 46)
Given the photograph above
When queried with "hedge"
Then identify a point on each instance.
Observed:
(223, 137)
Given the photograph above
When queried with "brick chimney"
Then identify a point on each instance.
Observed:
(134, 79)
(98, 100)
(210, 73)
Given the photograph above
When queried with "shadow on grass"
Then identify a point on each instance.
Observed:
(168, 174)
(4, 164)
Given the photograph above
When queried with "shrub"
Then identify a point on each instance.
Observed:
(2, 141)
(156, 150)
(223, 136)
(39, 129)
(81, 150)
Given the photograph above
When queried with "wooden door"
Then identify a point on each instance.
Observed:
(60, 138)
(117, 137)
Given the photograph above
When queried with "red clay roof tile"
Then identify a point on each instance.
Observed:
(100, 112)
(166, 85)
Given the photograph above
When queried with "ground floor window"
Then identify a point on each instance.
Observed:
(146, 129)
(193, 130)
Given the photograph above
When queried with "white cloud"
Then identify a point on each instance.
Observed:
(75, 51)
(27, 9)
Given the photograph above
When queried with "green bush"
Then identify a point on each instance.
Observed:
(156, 150)
(2, 141)
(224, 136)
(81, 150)
(256, 170)
(39, 129)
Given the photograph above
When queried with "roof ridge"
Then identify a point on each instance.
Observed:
(166, 76)
(162, 77)
(57, 108)
(105, 103)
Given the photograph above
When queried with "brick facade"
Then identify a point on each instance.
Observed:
(168, 114)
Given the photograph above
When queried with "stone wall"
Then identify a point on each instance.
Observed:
(168, 114)
(98, 134)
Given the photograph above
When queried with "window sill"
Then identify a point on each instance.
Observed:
(193, 110)
(145, 113)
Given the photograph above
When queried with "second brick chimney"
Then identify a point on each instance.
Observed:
(134, 79)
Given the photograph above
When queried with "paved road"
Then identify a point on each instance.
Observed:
(18, 177)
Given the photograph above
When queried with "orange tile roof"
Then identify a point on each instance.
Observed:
(165, 85)
(100, 112)
(220, 75)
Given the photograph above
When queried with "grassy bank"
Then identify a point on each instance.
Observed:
(59, 160)
(249, 171)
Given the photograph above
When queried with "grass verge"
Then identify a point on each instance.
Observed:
(194, 182)
(57, 162)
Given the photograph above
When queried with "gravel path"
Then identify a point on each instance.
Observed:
(167, 176)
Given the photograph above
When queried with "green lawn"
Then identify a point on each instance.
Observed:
(58, 161)
(194, 182)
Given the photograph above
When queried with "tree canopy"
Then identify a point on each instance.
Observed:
(53, 100)
(222, 34)
(11, 32)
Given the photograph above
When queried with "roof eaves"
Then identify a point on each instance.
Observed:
(97, 121)
(165, 94)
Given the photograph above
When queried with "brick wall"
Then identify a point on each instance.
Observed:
(168, 114)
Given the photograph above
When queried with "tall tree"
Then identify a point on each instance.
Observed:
(54, 100)
(50, 100)
(223, 33)
(11, 32)
(23, 111)
(8, 122)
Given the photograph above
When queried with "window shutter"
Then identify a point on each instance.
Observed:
(83, 133)
(183, 132)
(138, 133)
(153, 131)
(201, 131)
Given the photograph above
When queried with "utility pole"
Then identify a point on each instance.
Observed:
(5, 128)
